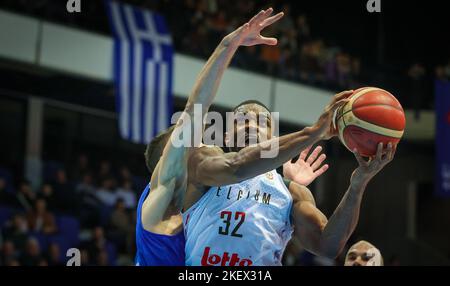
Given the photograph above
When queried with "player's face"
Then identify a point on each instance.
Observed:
(360, 255)
(252, 125)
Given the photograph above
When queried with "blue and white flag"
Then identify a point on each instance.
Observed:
(142, 66)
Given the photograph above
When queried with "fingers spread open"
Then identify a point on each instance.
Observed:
(256, 18)
(379, 151)
(271, 20)
(322, 170)
(389, 151)
(318, 162)
(304, 153)
(268, 41)
(314, 154)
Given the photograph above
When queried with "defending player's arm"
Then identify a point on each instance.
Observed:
(169, 176)
(212, 167)
(210, 76)
(328, 237)
(307, 168)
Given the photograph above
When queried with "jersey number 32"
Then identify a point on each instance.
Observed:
(226, 217)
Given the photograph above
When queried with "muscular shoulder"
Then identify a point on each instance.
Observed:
(204, 150)
(300, 193)
(203, 154)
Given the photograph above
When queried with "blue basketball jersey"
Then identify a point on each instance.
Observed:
(157, 249)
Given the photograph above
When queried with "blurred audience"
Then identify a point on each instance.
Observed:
(16, 230)
(31, 234)
(40, 219)
(32, 254)
(53, 255)
(106, 194)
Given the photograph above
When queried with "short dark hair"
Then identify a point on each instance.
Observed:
(251, 101)
(156, 146)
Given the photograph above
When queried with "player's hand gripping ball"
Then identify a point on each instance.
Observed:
(371, 116)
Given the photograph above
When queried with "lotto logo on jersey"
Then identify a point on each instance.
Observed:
(210, 259)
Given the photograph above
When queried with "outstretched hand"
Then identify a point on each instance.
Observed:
(307, 168)
(249, 34)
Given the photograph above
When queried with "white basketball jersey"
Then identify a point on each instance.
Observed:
(240, 225)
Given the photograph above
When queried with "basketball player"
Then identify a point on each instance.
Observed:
(363, 253)
(239, 212)
(159, 236)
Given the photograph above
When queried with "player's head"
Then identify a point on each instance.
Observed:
(363, 253)
(251, 123)
(155, 148)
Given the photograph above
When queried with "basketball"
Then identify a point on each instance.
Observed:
(372, 115)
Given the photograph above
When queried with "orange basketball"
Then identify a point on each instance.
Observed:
(371, 116)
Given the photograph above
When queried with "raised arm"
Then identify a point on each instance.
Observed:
(213, 167)
(328, 237)
(169, 177)
(210, 76)
(205, 88)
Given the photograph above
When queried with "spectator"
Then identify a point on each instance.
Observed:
(40, 219)
(447, 70)
(104, 170)
(286, 23)
(106, 194)
(120, 227)
(271, 55)
(42, 262)
(307, 63)
(32, 254)
(13, 262)
(355, 72)
(416, 75)
(47, 193)
(6, 197)
(343, 69)
(81, 166)
(102, 258)
(88, 201)
(16, 230)
(8, 253)
(440, 73)
(127, 194)
(97, 243)
(64, 193)
(330, 67)
(125, 174)
(25, 196)
(303, 30)
(54, 255)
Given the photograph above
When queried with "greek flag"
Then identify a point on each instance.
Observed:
(142, 67)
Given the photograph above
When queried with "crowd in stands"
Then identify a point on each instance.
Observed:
(299, 55)
(92, 209)
(302, 54)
